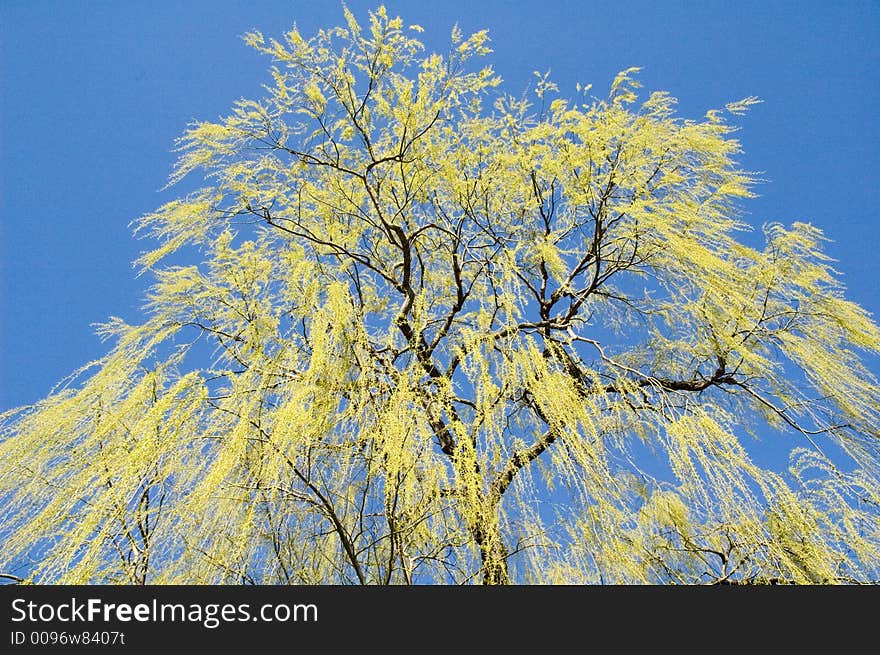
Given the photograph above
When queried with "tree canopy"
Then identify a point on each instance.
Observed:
(443, 334)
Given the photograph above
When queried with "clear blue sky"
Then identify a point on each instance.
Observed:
(94, 92)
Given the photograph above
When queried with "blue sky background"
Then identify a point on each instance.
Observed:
(93, 93)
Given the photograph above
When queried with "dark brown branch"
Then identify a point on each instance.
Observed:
(519, 460)
(325, 504)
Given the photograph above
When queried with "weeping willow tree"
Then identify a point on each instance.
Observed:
(439, 334)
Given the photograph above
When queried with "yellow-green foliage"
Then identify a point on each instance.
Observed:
(441, 334)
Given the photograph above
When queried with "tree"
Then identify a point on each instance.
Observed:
(441, 334)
